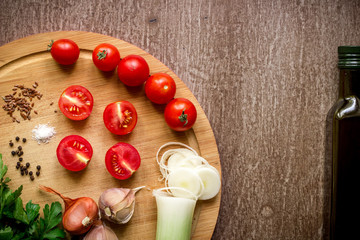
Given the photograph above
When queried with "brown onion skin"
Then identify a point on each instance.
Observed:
(73, 224)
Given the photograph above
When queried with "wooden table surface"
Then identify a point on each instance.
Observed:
(265, 74)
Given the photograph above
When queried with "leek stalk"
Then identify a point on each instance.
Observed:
(174, 217)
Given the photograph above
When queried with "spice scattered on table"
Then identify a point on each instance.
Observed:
(20, 101)
(24, 168)
(43, 133)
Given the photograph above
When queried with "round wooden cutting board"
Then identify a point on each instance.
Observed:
(26, 61)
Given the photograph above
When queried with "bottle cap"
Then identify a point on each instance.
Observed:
(349, 56)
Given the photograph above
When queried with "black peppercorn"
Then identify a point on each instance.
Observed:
(37, 173)
(13, 153)
(32, 178)
(27, 164)
(26, 172)
(22, 173)
(38, 167)
(17, 167)
(20, 153)
(30, 173)
(17, 139)
(20, 148)
(24, 140)
(11, 144)
(20, 159)
(18, 164)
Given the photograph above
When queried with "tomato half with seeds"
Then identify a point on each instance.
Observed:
(122, 160)
(106, 57)
(160, 88)
(76, 102)
(74, 152)
(120, 117)
(180, 114)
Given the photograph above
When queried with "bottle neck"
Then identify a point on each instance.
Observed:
(349, 83)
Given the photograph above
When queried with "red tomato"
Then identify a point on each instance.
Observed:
(120, 117)
(122, 160)
(64, 51)
(106, 57)
(74, 152)
(76, 102)
(160, 88)
(133, 70)
(180, 114)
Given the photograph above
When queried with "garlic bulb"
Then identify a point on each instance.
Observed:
(100, 231)
(117, 204)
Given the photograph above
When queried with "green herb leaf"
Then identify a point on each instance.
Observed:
(19, 236)
(32, 211)
(8, 200)
(6, 233)
(3, 168)
(19, 213)
(52, 217)
(56, 233)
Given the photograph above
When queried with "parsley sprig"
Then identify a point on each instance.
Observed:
(17, 222)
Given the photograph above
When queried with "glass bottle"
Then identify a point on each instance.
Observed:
(345, 200)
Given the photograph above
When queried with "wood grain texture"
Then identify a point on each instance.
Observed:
(263, 71)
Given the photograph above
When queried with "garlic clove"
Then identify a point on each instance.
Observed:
(117, 204)
(125, 214)
(100, 231)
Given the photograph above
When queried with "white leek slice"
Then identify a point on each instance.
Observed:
(185, 178)
(174, 216)
(210, 178)
(190, 161)
(176, 159)
(164, 168)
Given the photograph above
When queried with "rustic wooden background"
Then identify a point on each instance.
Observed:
(265, 74)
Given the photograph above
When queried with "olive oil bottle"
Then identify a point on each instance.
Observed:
(345, 200)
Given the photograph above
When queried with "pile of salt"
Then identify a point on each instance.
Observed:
(42, 133)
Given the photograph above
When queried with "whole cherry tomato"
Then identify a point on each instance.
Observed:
(122, 160)
(120, 117)
(160, 88)
(106, 57)
(180, 114)
(64, 51)
(133, 70)
(74, 152)
(76, 102)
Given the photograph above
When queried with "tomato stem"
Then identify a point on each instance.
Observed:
(102, 54)
(183, 118)
(50, 45)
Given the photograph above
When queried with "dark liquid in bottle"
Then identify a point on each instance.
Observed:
(346, 200)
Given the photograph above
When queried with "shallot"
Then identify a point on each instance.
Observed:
(80, 213)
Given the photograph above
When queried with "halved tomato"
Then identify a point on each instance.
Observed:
(120, 117)
(122, 160)
(76, 102)
(74, 152)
